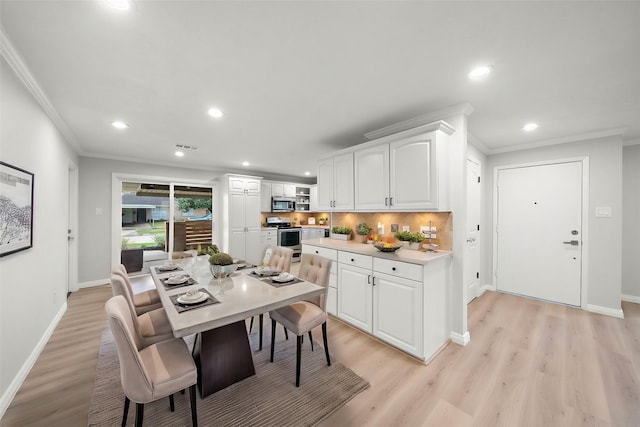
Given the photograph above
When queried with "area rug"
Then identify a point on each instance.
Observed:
(269, 398)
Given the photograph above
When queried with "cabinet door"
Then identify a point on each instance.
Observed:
(277, 189)
(325, 185)
(236, 184)
(343, 182)
(236, 225)
(413, 173)
(371, 178)
(397, 312)
(289, 190)
(252, 185)
(332, 301)
(252, 211)
(355, 296)
(265, 197)
(253, 250)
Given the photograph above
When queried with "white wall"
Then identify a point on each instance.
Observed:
(605, 189)
(30, 141)
(95, 229)
(630, 224)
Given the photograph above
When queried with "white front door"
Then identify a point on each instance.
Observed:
(539, 231)
(472, 251)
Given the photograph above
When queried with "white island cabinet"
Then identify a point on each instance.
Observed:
(399, 298)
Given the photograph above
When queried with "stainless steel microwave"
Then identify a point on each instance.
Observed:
(283, 204)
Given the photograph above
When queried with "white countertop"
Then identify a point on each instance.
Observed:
(405, 255)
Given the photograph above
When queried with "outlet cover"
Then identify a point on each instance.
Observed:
(394, 228)
(405, 228)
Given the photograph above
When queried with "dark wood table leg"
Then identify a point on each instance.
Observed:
(223, 357)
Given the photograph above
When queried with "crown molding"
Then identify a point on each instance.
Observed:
(480, 146)
(465, 109)
(564, 140)
(631, 142)
(13, 58)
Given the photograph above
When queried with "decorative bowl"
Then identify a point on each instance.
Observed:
(222, 271)
(388, 247)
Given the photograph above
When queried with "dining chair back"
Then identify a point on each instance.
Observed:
(281, 259)
(142, 301)
(302, 316)
(153, 372)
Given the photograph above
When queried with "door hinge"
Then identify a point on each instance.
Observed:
(477, 275)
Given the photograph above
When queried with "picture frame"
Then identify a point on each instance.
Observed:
(16, 209)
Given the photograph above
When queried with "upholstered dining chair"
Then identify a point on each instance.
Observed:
(142, 301)
(302, 316)
(149, 373)
(281, 261)
(151, 327)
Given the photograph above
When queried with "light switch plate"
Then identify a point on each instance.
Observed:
(394, 228)
(405, 228)
(424, 229)
(603, 212)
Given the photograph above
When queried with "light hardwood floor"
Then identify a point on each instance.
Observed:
(529, 363)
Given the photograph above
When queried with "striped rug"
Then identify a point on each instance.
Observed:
(269, 398)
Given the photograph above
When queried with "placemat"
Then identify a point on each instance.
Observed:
(189, 282)
(184, 307)
(278, 284)
(159, 269)
(275, 273)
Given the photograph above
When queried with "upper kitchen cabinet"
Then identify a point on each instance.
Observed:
(406, 171)
(265, 196)
(244, 184)
(335, 183)
(303, 198)
(280, 189)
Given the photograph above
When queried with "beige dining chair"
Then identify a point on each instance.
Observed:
(151, 327)
(281, 261)
(149, 373)
(142, 301)
(302, 316)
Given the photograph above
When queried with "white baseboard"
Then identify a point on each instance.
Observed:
(460, 339)
(17, 381)
(485, 288)
(93, 283)
(605, 310)
(630, 298)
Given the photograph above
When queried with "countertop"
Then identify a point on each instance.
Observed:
(405, 255)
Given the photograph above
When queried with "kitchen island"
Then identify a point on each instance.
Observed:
(402, 298)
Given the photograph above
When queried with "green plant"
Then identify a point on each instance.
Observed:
(186, 204)
(208, 250)
(124, 243)
(407, 236)
(220, 259)
(341, 230)
(159, 239)
(363, 229)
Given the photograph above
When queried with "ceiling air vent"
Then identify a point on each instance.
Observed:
(187, 147)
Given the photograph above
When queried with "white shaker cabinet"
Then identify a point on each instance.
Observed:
(265, 197)
(405, 171)
(239, 210)
(335, 183)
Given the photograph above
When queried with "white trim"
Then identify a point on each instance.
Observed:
(93, 283)
(585, 219)
(433, 116)
(631, 142)
(605, 310)
(630, 298)
(479, 145)
(564, 140)
(26, 367)
(460, 339)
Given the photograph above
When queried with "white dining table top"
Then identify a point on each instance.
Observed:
(244, 295)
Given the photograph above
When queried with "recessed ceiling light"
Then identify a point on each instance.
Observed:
(216, 113)
(245, 163)
(307, 173)
(530, 127)
(480, 72)
(119, 125)
(179, 154)
(118, 4)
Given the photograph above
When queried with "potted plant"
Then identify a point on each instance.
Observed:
(412, 240)
(322, 220)
(131, 258)
(363, 230)
(341, 233)
(221, 265)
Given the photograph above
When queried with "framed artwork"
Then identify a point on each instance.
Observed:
(16, 209)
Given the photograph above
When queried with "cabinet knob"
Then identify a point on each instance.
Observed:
(317, 252)
(352, 260)
(393, 268)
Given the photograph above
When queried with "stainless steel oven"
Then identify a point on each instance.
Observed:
(291, 238)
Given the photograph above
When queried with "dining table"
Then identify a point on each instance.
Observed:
(222, 351)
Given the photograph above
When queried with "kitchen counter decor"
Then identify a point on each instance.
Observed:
(388, 247)
(341, 233)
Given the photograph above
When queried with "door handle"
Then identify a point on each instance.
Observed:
(471, 240)
(386, 201)
(572, 242)
(369, 279)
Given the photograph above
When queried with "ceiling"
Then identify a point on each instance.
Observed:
(299, 80)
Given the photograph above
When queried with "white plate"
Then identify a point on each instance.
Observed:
(284, 278)
(167, 268)
(176, 280)
(185, 299)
